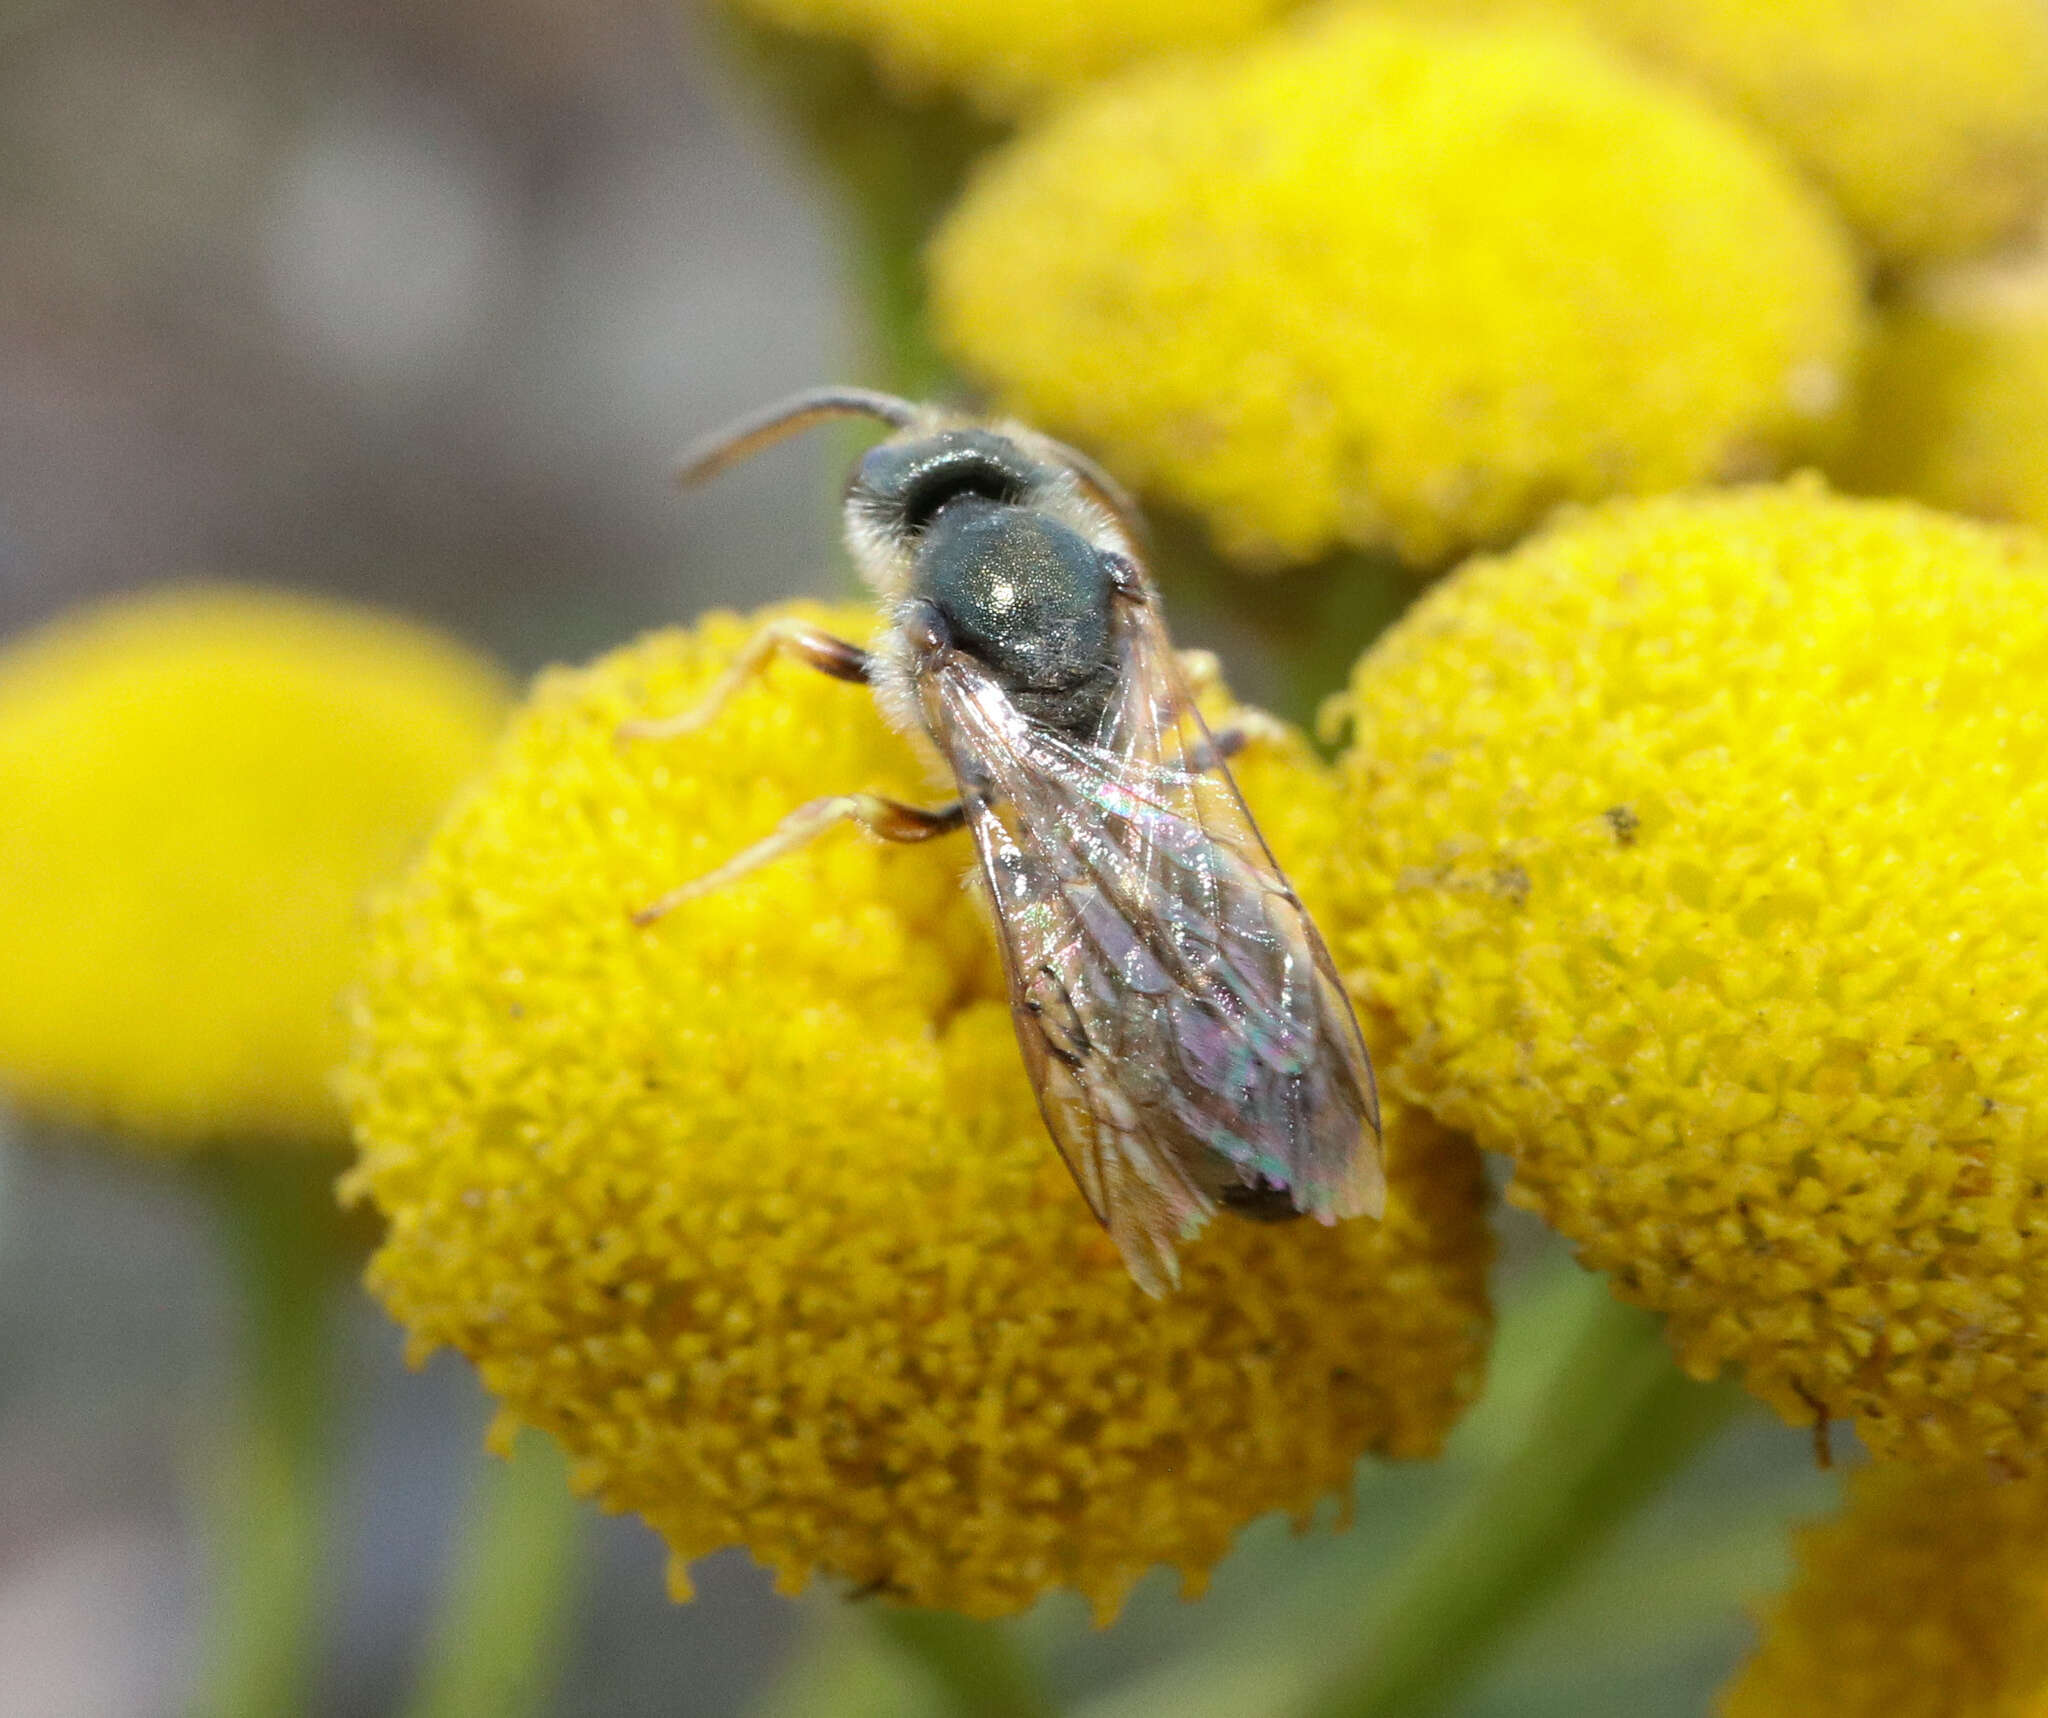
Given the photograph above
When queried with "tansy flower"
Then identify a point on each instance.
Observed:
(200, 785)
(1692, 857)
(1926, 120)
(1927, 1598)
(1381, 283)
(753, 1210)
(1955, 399)
(1008, 55)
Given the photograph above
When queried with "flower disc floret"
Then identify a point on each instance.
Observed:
(1926, 1598)
(753, 1209)
(1387, 284)
(201, 786)
(1693, 853)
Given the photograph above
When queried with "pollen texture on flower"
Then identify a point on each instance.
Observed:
(753, 1210)
(200, 788)
(1008, 55)
(1926, 1598)
(1394, 285)
(1955, 401)
(1692, 855)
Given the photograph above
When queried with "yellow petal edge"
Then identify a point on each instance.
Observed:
(1693, 856)
(753, 1210)
(1008, 56)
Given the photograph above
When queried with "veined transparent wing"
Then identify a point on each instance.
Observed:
(1178, 1012)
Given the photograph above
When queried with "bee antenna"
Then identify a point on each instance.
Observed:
(705, 459)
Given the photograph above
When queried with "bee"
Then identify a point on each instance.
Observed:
(1179, 1015)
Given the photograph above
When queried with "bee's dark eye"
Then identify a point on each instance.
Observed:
(907, 483)
(949, 482)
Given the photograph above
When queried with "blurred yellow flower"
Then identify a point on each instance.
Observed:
(200, 786)
(1926, 120)
(1381, 283)
(1926, 1598)
(1955, 399)
(1007, 55)
(1693, 858)
(754, 1212)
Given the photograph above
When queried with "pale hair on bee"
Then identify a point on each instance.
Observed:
(1179, 1015)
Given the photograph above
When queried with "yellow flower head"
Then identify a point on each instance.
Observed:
(1926, 120)
(1387, 284)
(1955, 400)
(1926, 1598)
(1694, 855)
(200, 785)
(1007, 55)
(753, 1209)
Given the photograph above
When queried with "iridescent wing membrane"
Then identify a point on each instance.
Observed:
(1179, 1015)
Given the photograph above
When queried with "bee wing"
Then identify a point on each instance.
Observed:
(1311, 1116)
(1178, 1013)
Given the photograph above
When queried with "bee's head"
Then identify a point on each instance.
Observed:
(941, 497)
(910, 495)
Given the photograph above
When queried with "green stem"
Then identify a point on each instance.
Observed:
(1616, 1421)
(512, 1593)
(976, 1665)
(267, 1502)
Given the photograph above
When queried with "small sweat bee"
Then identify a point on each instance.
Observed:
(1179, 1015)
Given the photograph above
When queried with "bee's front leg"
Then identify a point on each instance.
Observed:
(891, 819)
(807, 643)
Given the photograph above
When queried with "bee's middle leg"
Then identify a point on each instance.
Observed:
(811, 645)
(890, 819)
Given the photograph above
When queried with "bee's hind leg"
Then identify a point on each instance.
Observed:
(807, 643)
(891, 819)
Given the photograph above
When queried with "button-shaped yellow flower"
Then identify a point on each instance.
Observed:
(1926, 120)
(753, 1210)
(1955, 399)
(1388, 284)
(1693, 854)
(1008, 55)
(200, 786)
(1926, 1598)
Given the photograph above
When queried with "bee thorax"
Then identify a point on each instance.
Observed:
(1029, 598)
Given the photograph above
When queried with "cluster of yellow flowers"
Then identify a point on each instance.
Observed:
(1685, 854)
(1403, 274)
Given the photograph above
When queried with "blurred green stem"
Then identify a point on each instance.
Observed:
(1615, 1422)
(511, 1595)
(975, 1665)
(267, 1501)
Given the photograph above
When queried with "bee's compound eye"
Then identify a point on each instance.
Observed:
(910, 482)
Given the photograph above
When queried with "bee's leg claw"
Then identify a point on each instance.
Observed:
(891, 819)
(809, 644)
